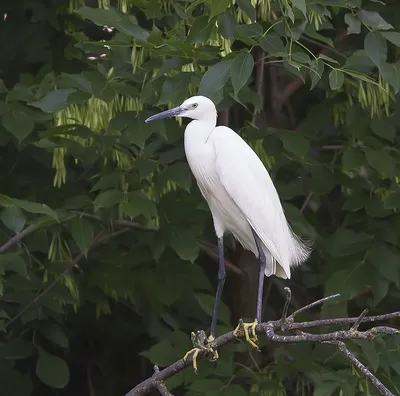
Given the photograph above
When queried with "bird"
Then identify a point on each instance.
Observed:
(243, 202)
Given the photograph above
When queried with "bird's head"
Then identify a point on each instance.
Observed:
(197, 108)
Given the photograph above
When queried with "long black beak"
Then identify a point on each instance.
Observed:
(176, 111)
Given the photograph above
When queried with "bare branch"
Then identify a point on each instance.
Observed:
(17, 238)
(348, 355)
(270, 328)
(360, 318)
(160, 385)
(312, 305)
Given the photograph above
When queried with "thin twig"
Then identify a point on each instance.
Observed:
(288, 293)
(306, 202)
(360, 318)
(312, 305)
(349, 356)
(17, 238)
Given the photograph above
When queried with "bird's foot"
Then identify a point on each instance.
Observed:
(243, 328)
(201, 343)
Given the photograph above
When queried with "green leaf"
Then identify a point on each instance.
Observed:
(241, 70)
(368, 349)
(327, 58)
(381, 161)
(215, 78)
(295, 143)
(391, 73)
(380, 289)
(359, 61)
(316, 71)
(373, 19)
(354, 24)
(226, 25)
(393, 37)
(218, 7)
(139, 204)
(125, 23)
(83, 233)
(352, 159)
(175, 89)
(56, 335)
(107, 199)
(16, 349)
(206, 302)
(248, 9)
(345, 242)
(161, 354)
(201, 30)
(300, 5)
(249, 30)
(185, 244)
(34, 207)
(384, 128)
(376, 48)
(133, 128)
(17, 123)
(53, 101)
(13, 218)
(392, 201)
(385, 259)
(336, 79)
(52, 370)
(355, 201)
(272, 44)
(14, 262)
(178, 173)
(207, 386)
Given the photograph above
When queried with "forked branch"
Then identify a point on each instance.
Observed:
(293, 333)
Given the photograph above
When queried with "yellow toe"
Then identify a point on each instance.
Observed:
(245, 327)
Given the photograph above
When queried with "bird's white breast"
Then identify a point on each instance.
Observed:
(201, 156)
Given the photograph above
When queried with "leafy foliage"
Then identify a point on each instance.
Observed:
(101, 218)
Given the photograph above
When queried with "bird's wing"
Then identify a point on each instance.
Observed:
(248, 183)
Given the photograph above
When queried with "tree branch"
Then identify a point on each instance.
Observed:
(17, 238)
(270, 329)
(348, 355)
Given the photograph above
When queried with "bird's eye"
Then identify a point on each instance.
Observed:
(194, 105)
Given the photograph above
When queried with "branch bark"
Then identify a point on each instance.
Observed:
(270, 330)
(17, 238)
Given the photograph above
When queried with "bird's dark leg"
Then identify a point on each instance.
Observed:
(220, 286)
(252, 339)
(199, 339)
(261, 272)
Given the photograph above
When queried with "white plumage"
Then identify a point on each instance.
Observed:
(240, 194)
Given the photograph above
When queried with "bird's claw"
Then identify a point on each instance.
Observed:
(200, 343)
(243, 329)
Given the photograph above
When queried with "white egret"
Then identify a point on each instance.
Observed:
(242, 199)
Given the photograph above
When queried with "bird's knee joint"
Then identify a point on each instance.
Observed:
(221, 277)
